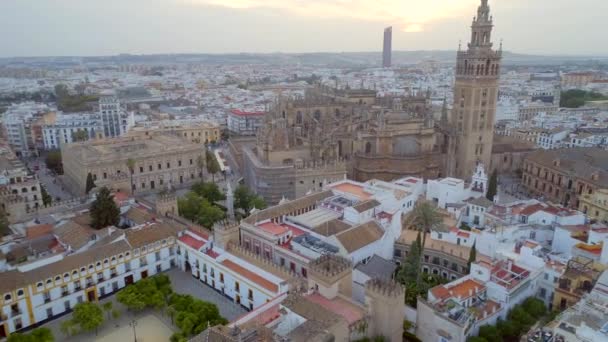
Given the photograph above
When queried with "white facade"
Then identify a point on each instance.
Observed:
(246, 284)
(116, 121)
(552, 139)
(244, 123)
(62, 132)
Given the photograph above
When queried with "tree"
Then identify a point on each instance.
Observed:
(131, 166)
(509, 330)
(246, 200)
(200, 163)
(53, 161)
(42, 335)
(472, 255)
(213, 166)
(410, 268)
(492, 186)
(107, 307)
(68, 328)
(476, 339)
(80, 135)
(425, 219)
(209, 214)
(37, 335)
(88, 316)
(90, 183)
(104, 211)
(490, 333)
(535, 307)
(4, 224)
(46, 198)
(209, 191)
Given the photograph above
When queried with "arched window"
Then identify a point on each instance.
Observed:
(299, 118)
(368, 147)
(20, 292)
(7, 297)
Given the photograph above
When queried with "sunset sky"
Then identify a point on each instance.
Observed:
(106, 27)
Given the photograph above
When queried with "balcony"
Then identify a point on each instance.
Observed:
(47, 300)
(65, 293)
(77, 287)
(90, 283)
(113, 275)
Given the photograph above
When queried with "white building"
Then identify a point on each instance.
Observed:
(244, 123)
(62, 131)
(241, 281)
(553, 138)
(453, 190)
(116, 121)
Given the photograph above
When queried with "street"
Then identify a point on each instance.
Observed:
(51, 183)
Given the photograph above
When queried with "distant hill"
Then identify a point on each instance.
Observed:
(344, 59)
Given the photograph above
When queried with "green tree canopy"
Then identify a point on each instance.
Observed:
(90, 184)
(209, 191)
(472, 255)
(37, 335)
(104, 211)
(199, 209)
(246, 200)
(575, 98)
(53, 161)
(4, 224)
(213, 166)
(490, 333)
(425, 219)
(88, 316)
(147, 293)
(193, 315)
(80, 135)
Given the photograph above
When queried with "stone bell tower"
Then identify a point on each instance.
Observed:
(475, 95)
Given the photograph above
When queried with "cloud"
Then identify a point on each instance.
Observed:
(407, 15)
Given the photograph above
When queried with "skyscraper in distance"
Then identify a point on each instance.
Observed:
(387, 49)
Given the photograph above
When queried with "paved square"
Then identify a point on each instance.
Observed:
(149, 329)
(184, 283)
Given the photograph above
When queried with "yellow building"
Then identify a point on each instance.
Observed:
(578, 279)
(196, 132)
(595, 205)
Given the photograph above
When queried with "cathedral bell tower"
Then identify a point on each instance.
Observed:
(475, 95)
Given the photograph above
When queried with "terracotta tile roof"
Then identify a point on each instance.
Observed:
(466, 288)
(139, 215)
(349, 311)
(38, 230)
(14, 279)
(288, 207)
(148, 234)
(360, 236)
(268, 285)
(273, 228)
(353, 189)
(192, 242)
(332, 227)
(366, 205)
(74, 235)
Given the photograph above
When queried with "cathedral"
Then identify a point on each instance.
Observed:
(331, 133)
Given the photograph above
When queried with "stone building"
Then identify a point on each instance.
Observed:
(160, 161)
(20, 191)
(471, 123)
(564, 175)
(197, 132)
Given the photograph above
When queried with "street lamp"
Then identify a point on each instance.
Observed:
(133, 324)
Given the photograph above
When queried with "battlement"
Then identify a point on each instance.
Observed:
(385, 288)
(165, 197)
(330, 266)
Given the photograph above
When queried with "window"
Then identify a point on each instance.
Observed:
(7, 297)
(20, 292)
(221, 277)
(237, 286)
(250, 294)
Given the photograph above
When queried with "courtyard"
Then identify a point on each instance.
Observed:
(151, 325)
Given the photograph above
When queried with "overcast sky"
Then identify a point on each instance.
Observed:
(108, 27)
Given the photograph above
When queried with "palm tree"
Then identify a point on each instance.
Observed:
(131, 166)
(200, 162)
(425, 219)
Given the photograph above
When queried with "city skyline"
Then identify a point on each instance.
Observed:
(74, 28)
